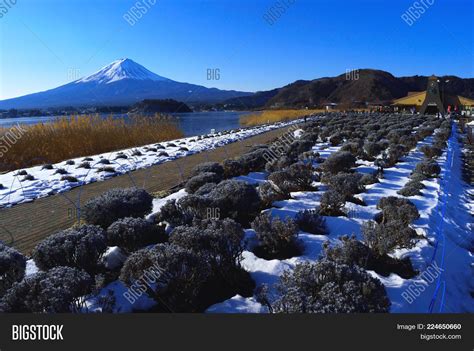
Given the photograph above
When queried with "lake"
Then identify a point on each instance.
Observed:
(195, 123)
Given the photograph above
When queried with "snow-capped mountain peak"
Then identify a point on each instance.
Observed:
(121, 69)
(121, 83)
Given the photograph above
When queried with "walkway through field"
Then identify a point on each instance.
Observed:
(453, 238)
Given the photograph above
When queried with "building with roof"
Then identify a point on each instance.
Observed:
(433, 100)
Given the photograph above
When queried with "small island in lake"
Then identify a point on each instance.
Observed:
(159, 106)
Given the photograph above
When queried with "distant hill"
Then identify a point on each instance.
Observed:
(259, 99)
(370, 86)
(160, 106)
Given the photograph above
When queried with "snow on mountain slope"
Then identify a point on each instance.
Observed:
(121, 69)
(123, 82)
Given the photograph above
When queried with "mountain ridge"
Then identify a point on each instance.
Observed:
(125, 82)
(373, 86)
(122, 82)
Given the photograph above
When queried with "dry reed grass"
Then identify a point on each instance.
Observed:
(78, 136)
(274, 116)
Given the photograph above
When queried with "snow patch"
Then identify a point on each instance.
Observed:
(121, 69)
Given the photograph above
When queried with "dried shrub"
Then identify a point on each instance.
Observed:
(443, 135)
(283, 182)
(311, 222)
(233, 168)
(58, 290)
(106, 169)
(372, 149)
(331, 204)
(234, 199)
(385, 237)
(132, 234)
(219, 241)
(412, 188)
(309, 156)
(278, 164)
(61, 171)
(269, 194)
(205, 189)
(339, 162)
(335, 139)
(352, 147)
(397, 209)
(85, 165)
(220, 244)
(328, 287)
(80, 247)
(351, 251)
(173, 213)
(429, 169)
(28, 177)
(254, 161)
(431, 151)
(417, 177)
(368, 179)
(277, 238)
(395, 153)
(69, 179)
(310, 136)
(425, 132)
(12, 267)
(409, 141)
(394, 135)
(346, 184)
(178, 276)
(302, 175)
(199, 180)
(117, 203)
(297, 147)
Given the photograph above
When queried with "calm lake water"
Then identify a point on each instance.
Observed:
(191, 124)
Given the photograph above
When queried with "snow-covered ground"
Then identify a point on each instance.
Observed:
(444, 222)
(48, 181)
(451, 227)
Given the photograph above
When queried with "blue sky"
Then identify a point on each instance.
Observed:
(46, 43)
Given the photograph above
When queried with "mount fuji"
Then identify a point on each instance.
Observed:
(123, 82)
